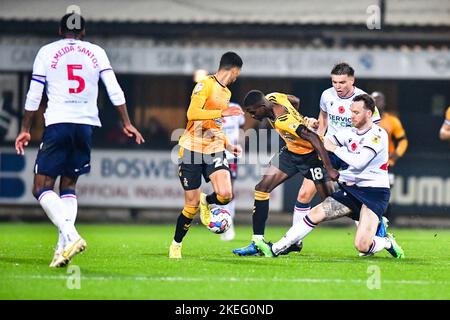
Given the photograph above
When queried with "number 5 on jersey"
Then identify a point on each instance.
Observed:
(73, 77)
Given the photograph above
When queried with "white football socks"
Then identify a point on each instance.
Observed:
(230, 207)
(257, 237)
(379, 243)
(294, 235)
(300, 212)
(57, 212)
(71, 203)
(229, 234)
(70, 200)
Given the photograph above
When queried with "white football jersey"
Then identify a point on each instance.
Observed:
(230, 126)
(338, 110)
(375, 173)
(70, 70)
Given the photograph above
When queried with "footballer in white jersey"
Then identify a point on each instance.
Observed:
(338, 110)
(373, 142)
(364, 187)
(334, 116)
(231, 127)
(69, 69)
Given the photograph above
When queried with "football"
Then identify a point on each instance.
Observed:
(220, 220)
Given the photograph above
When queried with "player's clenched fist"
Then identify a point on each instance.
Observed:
(236, 150)
(311, 123)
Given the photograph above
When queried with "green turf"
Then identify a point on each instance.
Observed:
(131, 262)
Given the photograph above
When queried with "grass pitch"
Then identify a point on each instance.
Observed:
(131, 262)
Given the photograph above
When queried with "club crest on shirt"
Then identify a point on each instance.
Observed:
(376, 113)
(198, 87)
(376, 139)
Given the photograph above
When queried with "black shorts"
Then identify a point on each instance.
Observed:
(193, 165)
(308, 165)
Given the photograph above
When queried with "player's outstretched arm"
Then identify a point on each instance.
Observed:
(366, 154)
(314, 139)
(128, 129)
(24, 136)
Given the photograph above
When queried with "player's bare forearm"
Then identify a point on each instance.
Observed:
(294, 101)
(401, 147)
(27, 120)
(123, 113)
(317, 144)
(24, 136)
(128, 129)
(323, 123)
(393, 157)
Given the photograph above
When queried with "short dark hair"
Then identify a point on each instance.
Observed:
(253, 97)
(72, 23)
(343, 68)
(230, 60)
(369, 103)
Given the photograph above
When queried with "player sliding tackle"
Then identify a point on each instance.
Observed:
(364, 186)
(301, 155)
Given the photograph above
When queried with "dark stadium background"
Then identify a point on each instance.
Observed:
(158, 100)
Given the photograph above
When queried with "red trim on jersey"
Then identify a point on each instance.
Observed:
(384, 166)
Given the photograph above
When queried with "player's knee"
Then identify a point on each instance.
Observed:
(38, 191)
(37, 188)
(224, 196)
(192, 199)
(362, 244)
(41, 184)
